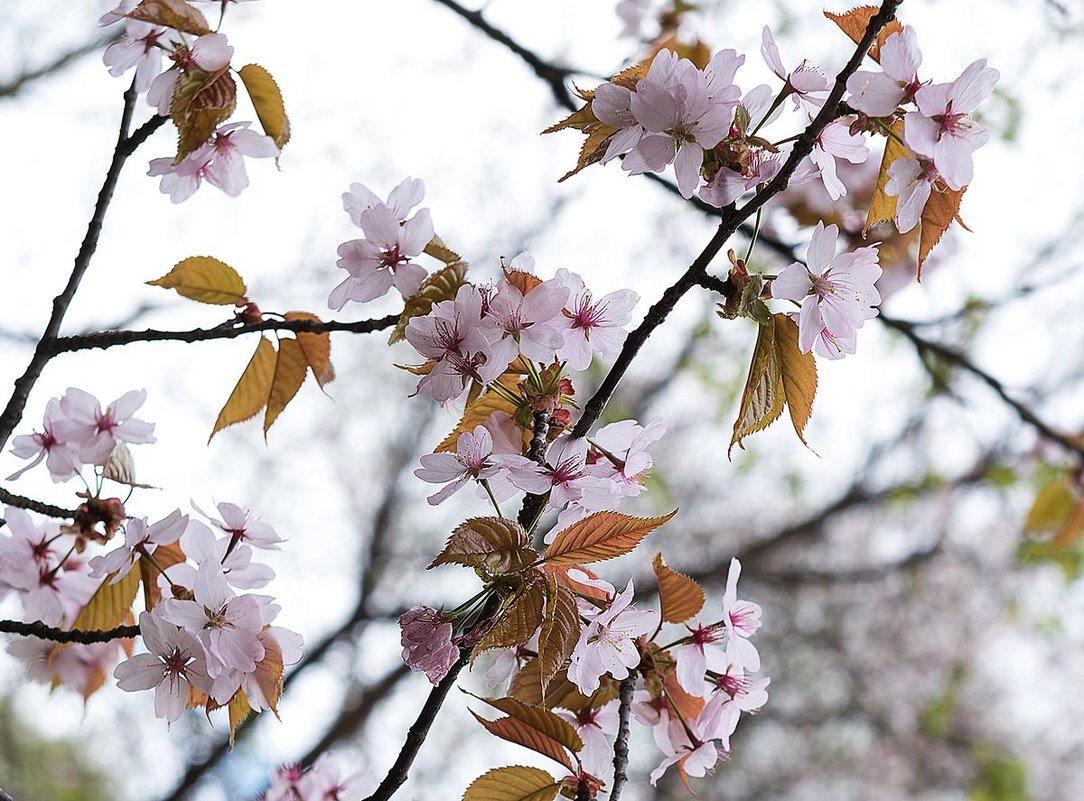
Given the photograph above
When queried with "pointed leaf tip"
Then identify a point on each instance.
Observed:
(204, 279)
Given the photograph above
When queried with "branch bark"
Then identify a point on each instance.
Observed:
(621, 744)
(40, 630)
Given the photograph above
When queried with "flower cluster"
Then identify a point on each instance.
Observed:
(197, 79)
(321, 782)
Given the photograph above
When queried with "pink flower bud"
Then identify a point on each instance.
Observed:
(427, 642)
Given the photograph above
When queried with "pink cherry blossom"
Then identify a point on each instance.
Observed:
(807, 84)
(474, 459)
(78, 667)
(593, 724)
(705, 652)
(427, 642)
(606, 644)
(728, 184)
(209, 52)
(139, 539)
(836, 142)
(612, 105)
(911, 181)
(50, 444)
(94, 433)
(139, 47)
(837, 292)
(741, 620)
(243, 526)
(200, 545)
(626, 442)
(592, 326)
(529, 321)
(281, 647)
(322, 783)
(220, 160)
(175, 663)
(879, 94)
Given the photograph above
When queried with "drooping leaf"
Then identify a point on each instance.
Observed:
(201, 102)
(175, 14)
(560, 629)
(679, 596)
(290, 369)
(317, 348)
(942, 207)
(600, 536)
(250, 395)
(799, 373)
(541, 720)
(498, 545)
(855, 22)
(238, 711)
(109, 605)
(518, 732)
(441, 285)
(165, 556)
(592, 150)
(516, 624)
(883, 206)
(440, 251)
(476, 414)
(514, 783)
(267, 100)
(762, 399)
(204, 279)
(268, 674)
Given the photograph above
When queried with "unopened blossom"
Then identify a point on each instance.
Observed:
(139, 538)
(804, 82)
(210, 52)
(942, 129)
(427, 642)
(592, 325)
(381, 259)
(837, 291)
(910, 181)
(607, 645)
(836, 142)
(527, 320)
(593, 724)
(221, 161)
(741, 620)
(474, 459)
(49, 444)
(243, 527)
(879, 94)
(175, 663)
(94, 433)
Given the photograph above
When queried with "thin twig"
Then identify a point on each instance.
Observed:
(621, 744)
(41, 631)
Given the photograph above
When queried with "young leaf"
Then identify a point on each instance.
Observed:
(518, 732)
(165, 556)
(441, 285)
(799, 373)
(238, 711)
(543, 721)
(679, 596)
(855, 22)
(290, 369)
(317, 348)
(204, 279)
(581, 120)
(267, 100)
(517, 623)
(477, 413)
(500, 546)
(253, 387)
(176, 14)
(592, 150)
(109, 605)
(560, 630)
(883, 206)
(762, 399)
(516, 783)
(201, 101)
(522, 280)
(937, 215)
(268, 674)
(438, 250)
(601, 536)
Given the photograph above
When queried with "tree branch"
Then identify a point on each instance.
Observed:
(47, 509)
(41, 631)
(16, 84)
(621, 744)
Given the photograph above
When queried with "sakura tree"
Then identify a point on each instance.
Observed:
(115, 599)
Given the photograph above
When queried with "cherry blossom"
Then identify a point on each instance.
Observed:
(201, 546)
(474, 459)
(705, 652)
(879, 94)
(606, 644)
(592, 326)
(243, 527)
(836, 142)
(612, 105)
(209, 52)
(50, 444)
(527, 320)
(911, 181)
(82, 668)
(806, 84)
(427, 642)
(593, 724)
(175, 663)
(140, 47)
(742, 620)
(94, 433)
(220, 160)
(403, 198)
(139, 539)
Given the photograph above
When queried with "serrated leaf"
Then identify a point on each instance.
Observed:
(238, 711)
(204, 279)
(522, 280)
(268, 674)
(942, 207)
(514, 783)
(498, 545)
(476, 414)
(542, 720)
(855, 22)
(600, 536)
(250, 394)
(175, 14)
(317, 348)
(799, 373)
(165, 556)
(267, 100)
(441, 285)
(518, 732)
(201, 102)
(109, 605)
(762, 399)
(883, 206)
(581, 120)
(560, 630)
(560, 572)
(438, 250)
(516, 624)
(592, 150)
(680, 598)
(291, 365)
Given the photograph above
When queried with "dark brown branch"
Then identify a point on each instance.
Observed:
(125, 146)
(534, 504)
(228, 330)
(47, 509)
(621, 744)
(40, 630)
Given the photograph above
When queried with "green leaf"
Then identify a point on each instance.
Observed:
(601, 536)
(267, 100)
(1052, 506)
(515, 783)
(204, 279)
